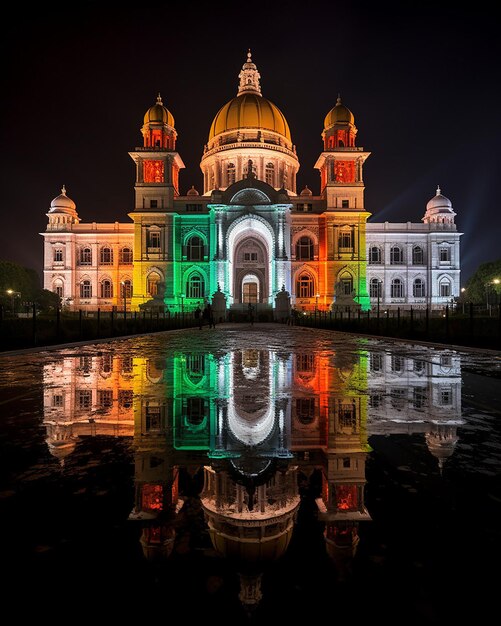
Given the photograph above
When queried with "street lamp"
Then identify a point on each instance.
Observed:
(13, 294)
(494, 281)
(463, 291)
(124, 294)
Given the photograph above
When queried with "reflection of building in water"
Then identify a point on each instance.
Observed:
(329, 432)
(250, 496)
(418, 394)
(258, 422)
(87, 395)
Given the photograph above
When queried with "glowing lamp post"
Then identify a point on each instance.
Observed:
(13, 294)
(494, 281)
(379, 283)
(124, 295)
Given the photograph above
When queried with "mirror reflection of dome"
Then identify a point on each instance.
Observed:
(251, 429)
(60, 439)
(441, 442)
(157, 541)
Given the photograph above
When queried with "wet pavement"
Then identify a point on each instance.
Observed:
(251, 473)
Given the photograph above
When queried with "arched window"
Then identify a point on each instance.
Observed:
(126, 289)
(152, 285)
(195, 286)
(397, 288)
(230, 173)
(418, 288)
(270, 173)
(305, 410)
(396, 256)
(417, 256)
(85, 289)
(304, 249)
(445, 289)
(126, 256)
(106, 289)
(375, 255)
(195, 249)
(376, 288)
(57, 288)
(305, 286)
(346, 284)
(58, 255)
(85, 256)
(106, 256)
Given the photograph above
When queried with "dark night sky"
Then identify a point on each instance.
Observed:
(422, 79)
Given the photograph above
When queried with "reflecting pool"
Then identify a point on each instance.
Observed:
(257, 474)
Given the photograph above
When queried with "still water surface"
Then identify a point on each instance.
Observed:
(251, 474)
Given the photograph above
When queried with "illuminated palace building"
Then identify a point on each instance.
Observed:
(252, 426)
(250, 235)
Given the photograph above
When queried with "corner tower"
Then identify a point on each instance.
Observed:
(157, 184)
(342, 186)
(249, 128)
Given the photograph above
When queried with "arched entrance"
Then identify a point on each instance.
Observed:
(251, 273)
(250, 289)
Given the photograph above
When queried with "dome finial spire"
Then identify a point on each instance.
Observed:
(159, 100)
(338, 101)
(439, 191)
(249, 78)
(63, 190)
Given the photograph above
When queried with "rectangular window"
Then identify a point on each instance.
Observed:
(153, 418)
(105, 398)
(376, 362)
(445, 290)
(59, 291)
(84, 398)
(418, 397)
(127, 365)
(345, 240)
(397, 363)
(345, 204)
(125, 398)
(347, 417)
(346, 463)
(193, 208)
(57, 400)
(305, 362)
(154, 239)
(153, 204)
(375, 400)
(445, 255)
(58, 255)
(446, 397)
(305, 208)
(398, 398)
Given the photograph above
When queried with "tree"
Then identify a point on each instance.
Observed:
(482, 287)
(20, 284)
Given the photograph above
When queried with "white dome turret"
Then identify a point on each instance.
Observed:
(439, 210)
(62, 212)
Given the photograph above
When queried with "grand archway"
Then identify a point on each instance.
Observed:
(250, 247)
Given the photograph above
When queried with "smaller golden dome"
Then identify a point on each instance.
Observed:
(339, 115)
(159, 114)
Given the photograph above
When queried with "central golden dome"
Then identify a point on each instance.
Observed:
(249, 110)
